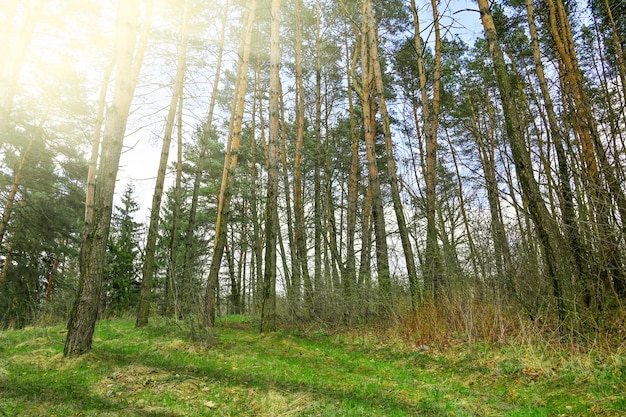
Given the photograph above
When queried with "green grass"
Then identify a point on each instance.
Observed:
(157, 371)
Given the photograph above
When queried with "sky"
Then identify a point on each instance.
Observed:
(140, 159)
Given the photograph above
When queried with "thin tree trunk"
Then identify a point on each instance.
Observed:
(485, 142)
(592, 150)
(364, 278)
(556, 134)
(257, 238)
(369, 124)
(433, 275)
(172, 298)
(203, 140)
(292, 279)
(235, 288)
(143, 311)
(619, 52)
(95, 142)
(230, 163)
(317, 192)
(349, 279)
(268, 303)
(300, 235)
(466, 224)
(391, 166)
(557, 253)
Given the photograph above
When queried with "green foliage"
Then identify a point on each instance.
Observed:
(122, 269)
(42, 236)
(180, 261)
(611, 18)
(156, 370)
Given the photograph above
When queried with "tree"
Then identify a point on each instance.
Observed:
(121, 273)
(369, 124)
(391, 163)
(556, 252)
(230, 164)
(430, 112)
(300, 234)
(44, 230)
(268, 303)
(95, 234)
(143, 310)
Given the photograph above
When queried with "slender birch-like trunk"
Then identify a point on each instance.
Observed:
(268, 303)
(230, 163)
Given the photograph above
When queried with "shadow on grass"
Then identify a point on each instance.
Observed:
(43, 394)
(329, 392)
(324, 363)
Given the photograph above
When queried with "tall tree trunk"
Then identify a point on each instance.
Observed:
(257, 237)
(403, 231)
(585, 126)
(292, 273)
(95, 236)
(204, 140)
(268, 304)
(433, 274)
(95, 141)
(617, 44)
(230, 163)
(300, 235)
(557, 253)
(466, 223)
(172, 295)
(566, 193)
(485, 141)
(317, 286)
(369, 125)
(143, 310)
(349, 279)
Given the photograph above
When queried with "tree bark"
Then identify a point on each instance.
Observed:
(557, 254)
(143, 310)
(369, 125)
(409, 257)
(268, 303)
(204, 148)
(349, 280)
(95, 236)
(596, 165)
(230, 163)
(300, 235)
(566, 194)
(433, 274)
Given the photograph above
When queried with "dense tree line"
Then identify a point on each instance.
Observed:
(335, 161)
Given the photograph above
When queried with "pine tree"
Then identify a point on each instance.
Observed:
(121, 274)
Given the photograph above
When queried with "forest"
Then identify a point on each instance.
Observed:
(453, 169)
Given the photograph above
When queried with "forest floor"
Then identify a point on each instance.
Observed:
(158, 371)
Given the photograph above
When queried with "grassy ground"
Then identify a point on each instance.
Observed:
(157, 371)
